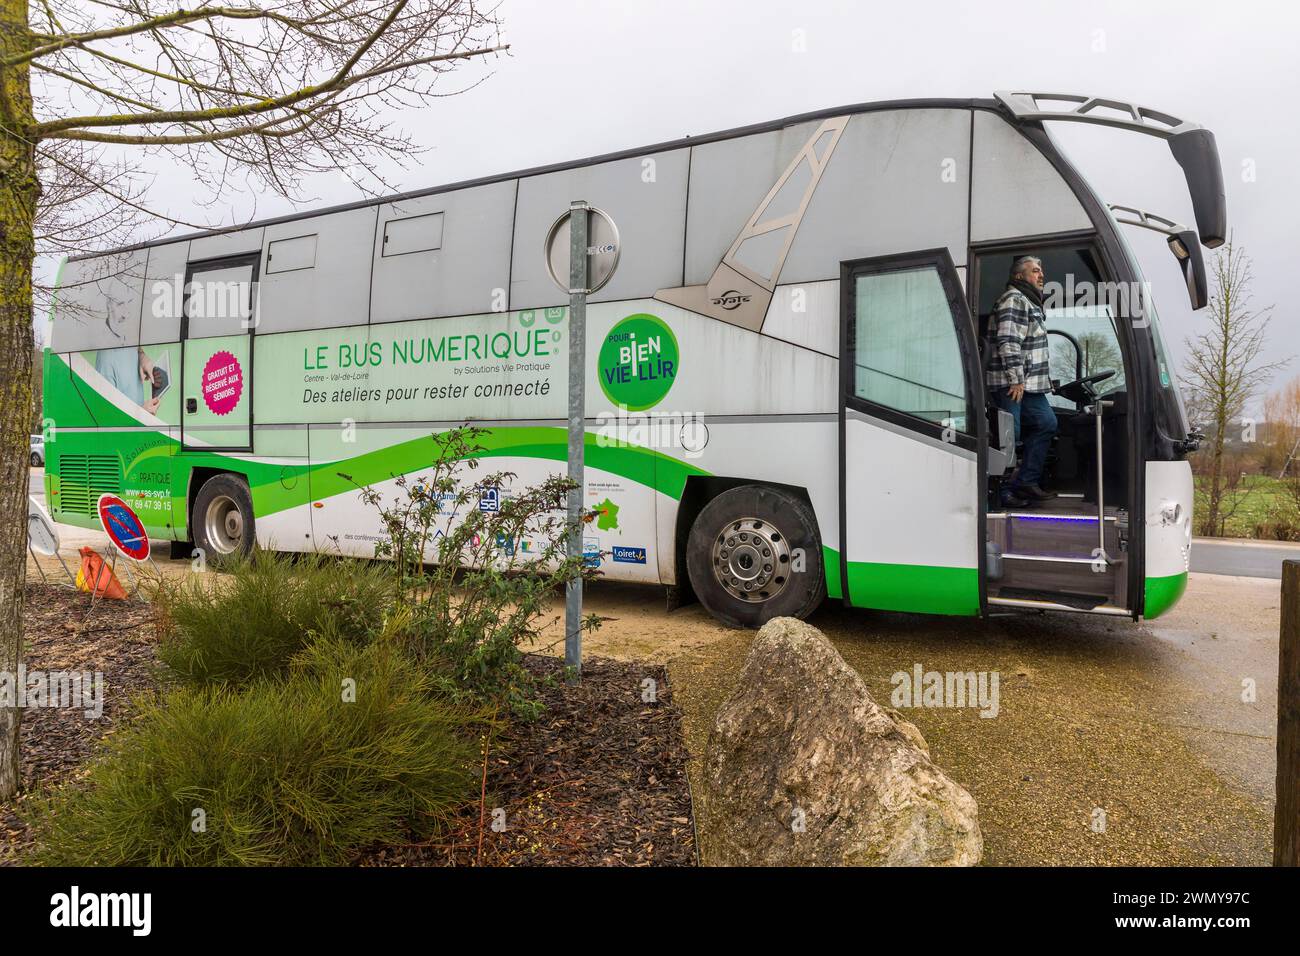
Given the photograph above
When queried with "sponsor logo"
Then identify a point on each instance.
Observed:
(591, 552)
(490, 500)
(731, 299)
(629, 555)
(638, 362)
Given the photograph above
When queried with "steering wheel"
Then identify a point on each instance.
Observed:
(1082, 390)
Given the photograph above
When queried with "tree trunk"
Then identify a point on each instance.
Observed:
(19, 190)
(1215, 498)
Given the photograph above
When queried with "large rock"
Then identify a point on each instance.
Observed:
(805, 769)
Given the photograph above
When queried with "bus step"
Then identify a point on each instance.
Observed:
(1051, 535)
(1079, 602)
(1052, 604)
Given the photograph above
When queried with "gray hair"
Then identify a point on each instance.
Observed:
(1018, 265)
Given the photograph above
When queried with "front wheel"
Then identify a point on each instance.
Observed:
(754, 554)
(222, 522)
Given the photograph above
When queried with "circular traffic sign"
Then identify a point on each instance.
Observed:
(123, 527)
(603, 250)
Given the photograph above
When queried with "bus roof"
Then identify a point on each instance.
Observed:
(686, 141)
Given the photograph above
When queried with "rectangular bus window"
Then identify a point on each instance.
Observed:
(906, 353)
(290, 255)
(413, 234)
(220, 301)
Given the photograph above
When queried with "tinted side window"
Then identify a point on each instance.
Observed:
(906, 354)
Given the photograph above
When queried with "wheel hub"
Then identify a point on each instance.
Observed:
(751, 560)
(224, 525)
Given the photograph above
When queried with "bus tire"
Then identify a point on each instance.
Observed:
(753, 554)
(222, 522)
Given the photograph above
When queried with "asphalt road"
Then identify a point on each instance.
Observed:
(1251, 559)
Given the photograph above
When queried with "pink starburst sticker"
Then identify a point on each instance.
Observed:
(223, 383)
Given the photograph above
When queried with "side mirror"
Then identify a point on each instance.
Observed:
(1196, 151)
(1187, 250)
(1184, 243)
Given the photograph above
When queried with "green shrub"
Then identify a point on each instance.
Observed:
(478, 585)
(284, 772)
(236, 627)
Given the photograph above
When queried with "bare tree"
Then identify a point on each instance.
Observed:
(1097, 353)
(1282, 439)
(264, 92)
(1226, 365)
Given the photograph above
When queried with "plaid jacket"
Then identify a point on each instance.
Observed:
(1019, 344)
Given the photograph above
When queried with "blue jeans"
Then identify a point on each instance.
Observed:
(1036, 421)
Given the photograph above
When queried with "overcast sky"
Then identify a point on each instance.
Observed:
(583, 78)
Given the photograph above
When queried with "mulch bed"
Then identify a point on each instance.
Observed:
(60, 634)
(598, 780)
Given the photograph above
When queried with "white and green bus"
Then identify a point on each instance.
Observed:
(785, 384)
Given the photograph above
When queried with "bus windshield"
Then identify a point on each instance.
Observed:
(1166, 375)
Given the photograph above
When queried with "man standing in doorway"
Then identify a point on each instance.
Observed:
(1018, 376)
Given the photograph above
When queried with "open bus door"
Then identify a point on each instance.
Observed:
(911, 429)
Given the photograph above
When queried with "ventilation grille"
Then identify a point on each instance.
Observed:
(83, 478)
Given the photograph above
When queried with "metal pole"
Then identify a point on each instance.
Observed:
(66, 570)
(577, 426)
(44, 579)
(1286, 814)
(1098, 407)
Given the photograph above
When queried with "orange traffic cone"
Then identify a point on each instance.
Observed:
(96, 577)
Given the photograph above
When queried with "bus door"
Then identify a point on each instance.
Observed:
(911, 421)
(216, 376)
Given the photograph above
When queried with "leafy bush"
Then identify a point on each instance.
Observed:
(249, 623)
(478, 583)
(283, 772)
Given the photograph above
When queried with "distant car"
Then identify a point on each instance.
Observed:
(38, 451)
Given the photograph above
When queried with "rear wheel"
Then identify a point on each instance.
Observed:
(754, 554)
(222, 521)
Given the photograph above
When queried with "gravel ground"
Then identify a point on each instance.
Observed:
(61, 634)
(1078, 730)
(1142, 721)
(598, 780)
